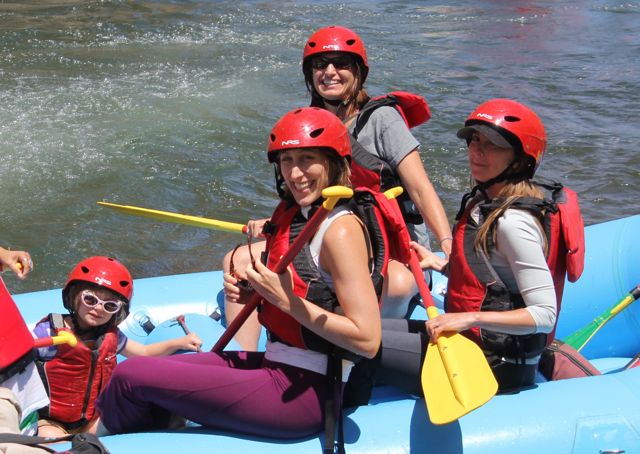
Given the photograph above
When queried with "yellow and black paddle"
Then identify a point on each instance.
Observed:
(185, 219)
(580, 338)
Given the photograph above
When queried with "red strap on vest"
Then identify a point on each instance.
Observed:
(573, 234)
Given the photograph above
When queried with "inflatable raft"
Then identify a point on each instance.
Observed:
(598, 414)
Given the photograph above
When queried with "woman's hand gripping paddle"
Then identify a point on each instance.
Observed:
(456, 378)
(193, 221)
(331, 195)
(580, 338)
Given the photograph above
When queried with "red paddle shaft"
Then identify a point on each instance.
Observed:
(332, 194)
(418, 275)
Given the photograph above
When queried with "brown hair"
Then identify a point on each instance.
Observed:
(338, 169)
(356, 94)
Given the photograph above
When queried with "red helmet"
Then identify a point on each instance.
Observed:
(105, 272)
(336, 39)
(309, 127)
(517, 120)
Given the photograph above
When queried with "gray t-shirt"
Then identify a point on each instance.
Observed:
(387, 136)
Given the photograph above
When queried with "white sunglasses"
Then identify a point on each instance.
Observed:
(89, 299)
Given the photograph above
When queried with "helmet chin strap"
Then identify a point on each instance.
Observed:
(333, 102)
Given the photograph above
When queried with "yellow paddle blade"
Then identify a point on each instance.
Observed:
(456, 378)
(185, 219)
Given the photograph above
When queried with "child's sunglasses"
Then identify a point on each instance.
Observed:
(89, 299)
(339, 62)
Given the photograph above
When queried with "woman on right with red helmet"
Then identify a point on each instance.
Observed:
(512, 249)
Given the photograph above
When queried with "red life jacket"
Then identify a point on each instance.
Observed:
(370, 170)
(76, 375)
(474, 286)
(382, 219)
(16, 341)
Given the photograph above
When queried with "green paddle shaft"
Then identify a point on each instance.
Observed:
(580, 338)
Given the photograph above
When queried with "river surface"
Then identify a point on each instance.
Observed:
(168, 104)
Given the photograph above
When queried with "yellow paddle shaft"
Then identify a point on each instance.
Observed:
(185, 219)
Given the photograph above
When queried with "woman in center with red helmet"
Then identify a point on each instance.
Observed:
(281, 392)
(512, 250)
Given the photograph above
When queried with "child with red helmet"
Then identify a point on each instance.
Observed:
(97, 295)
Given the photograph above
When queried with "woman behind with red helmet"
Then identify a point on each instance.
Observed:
(97, 295)
(242, 391)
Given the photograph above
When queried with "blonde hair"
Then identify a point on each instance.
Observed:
(509, 194)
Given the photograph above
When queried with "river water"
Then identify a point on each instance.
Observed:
(168, 104)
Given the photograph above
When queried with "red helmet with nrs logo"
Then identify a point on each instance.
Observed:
(309, 127)
(336, 39)
(516, 125)
(105, 272)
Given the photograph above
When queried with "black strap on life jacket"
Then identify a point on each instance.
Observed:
(18, 366)
(387, 176)
(363, 204)
(82, 443)
(333, 408)
(369, 108)
(56, 322)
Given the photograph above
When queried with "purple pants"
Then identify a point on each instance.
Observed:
(237, 391)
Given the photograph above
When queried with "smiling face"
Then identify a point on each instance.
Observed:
(305, 172)
(333, 75)
(487, 160)
(95, 316)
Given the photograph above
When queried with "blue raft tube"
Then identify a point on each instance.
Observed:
(587, 415)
